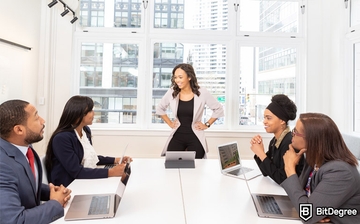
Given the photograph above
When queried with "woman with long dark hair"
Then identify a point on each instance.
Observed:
(330, 179)
(70, 154)
(187, 102)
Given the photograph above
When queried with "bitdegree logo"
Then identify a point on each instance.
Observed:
(306, 211)
(341, 212)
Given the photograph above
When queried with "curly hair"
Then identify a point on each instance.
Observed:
(189, 70)
(12, 112)
(286, 104)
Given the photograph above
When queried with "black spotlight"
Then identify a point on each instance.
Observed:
(66, 11)
(74, 19)
(51, 4)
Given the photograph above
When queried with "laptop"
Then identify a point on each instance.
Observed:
(180, 155)
(274, 206)
(95, 206)
(230, 163)
(180, 159)
(109, 166)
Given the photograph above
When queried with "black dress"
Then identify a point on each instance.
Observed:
(184, 139)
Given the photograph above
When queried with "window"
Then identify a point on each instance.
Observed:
(269, 16)
(354, 12)
(109, 75)
(243, 55)
(209, 75)
(264, 72)
(111, 13)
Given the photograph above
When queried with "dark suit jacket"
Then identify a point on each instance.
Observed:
(68, 154)
(20, 202)
(336, 184)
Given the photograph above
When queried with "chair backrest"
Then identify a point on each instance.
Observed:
(44, 177)
(352, 141)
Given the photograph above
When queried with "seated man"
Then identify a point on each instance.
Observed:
(21, 187)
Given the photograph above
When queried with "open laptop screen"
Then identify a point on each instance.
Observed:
(229, 155)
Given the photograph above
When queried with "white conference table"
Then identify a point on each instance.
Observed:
(187, 196)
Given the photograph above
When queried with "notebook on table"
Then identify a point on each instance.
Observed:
(95, 206)
(109, 166)
(230, 163)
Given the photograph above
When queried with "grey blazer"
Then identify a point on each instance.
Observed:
(20, 202)
(335, 185)
(205, 98)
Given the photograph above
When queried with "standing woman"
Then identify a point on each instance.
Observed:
(276, 117)
(187, 102)
(330, 178)
(70, 154)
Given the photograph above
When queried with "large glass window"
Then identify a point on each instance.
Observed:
(191, 14)
(269, 16)
(109, 75)
(355, 13)
(111, 13)
(209, 65)
(241, 72)
(264, 72)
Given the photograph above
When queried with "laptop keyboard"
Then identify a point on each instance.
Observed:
(240, 171)
(268, 204)
(109, 166)
(99, 205)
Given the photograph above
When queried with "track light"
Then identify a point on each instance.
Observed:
(66, 11)
(74, 19)
(51, 4)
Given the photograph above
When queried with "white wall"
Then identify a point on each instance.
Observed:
(43, 72)
(20, 23)
(46, 72)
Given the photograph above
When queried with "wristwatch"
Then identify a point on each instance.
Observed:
(207, 124)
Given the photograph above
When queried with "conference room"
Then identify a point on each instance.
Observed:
(121, 53)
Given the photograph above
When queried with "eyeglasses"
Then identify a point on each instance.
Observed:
(294, 132)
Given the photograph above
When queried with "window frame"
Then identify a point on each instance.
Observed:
(146, 36)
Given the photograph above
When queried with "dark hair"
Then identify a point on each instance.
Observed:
(74, 111)
(12, 112)
(189, 70)
(286, 107)
(324, 141)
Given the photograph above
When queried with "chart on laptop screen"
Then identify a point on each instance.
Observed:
(229, 155)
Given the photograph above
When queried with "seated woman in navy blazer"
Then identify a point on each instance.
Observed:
(70, 154)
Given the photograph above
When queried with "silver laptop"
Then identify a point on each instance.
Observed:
(95, 206)
(230, 163)
(180, 159)
(274, 206)
(109, 166)
(180, 155)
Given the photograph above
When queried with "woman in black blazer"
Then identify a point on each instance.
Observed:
(276, 117)
(70, 154)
